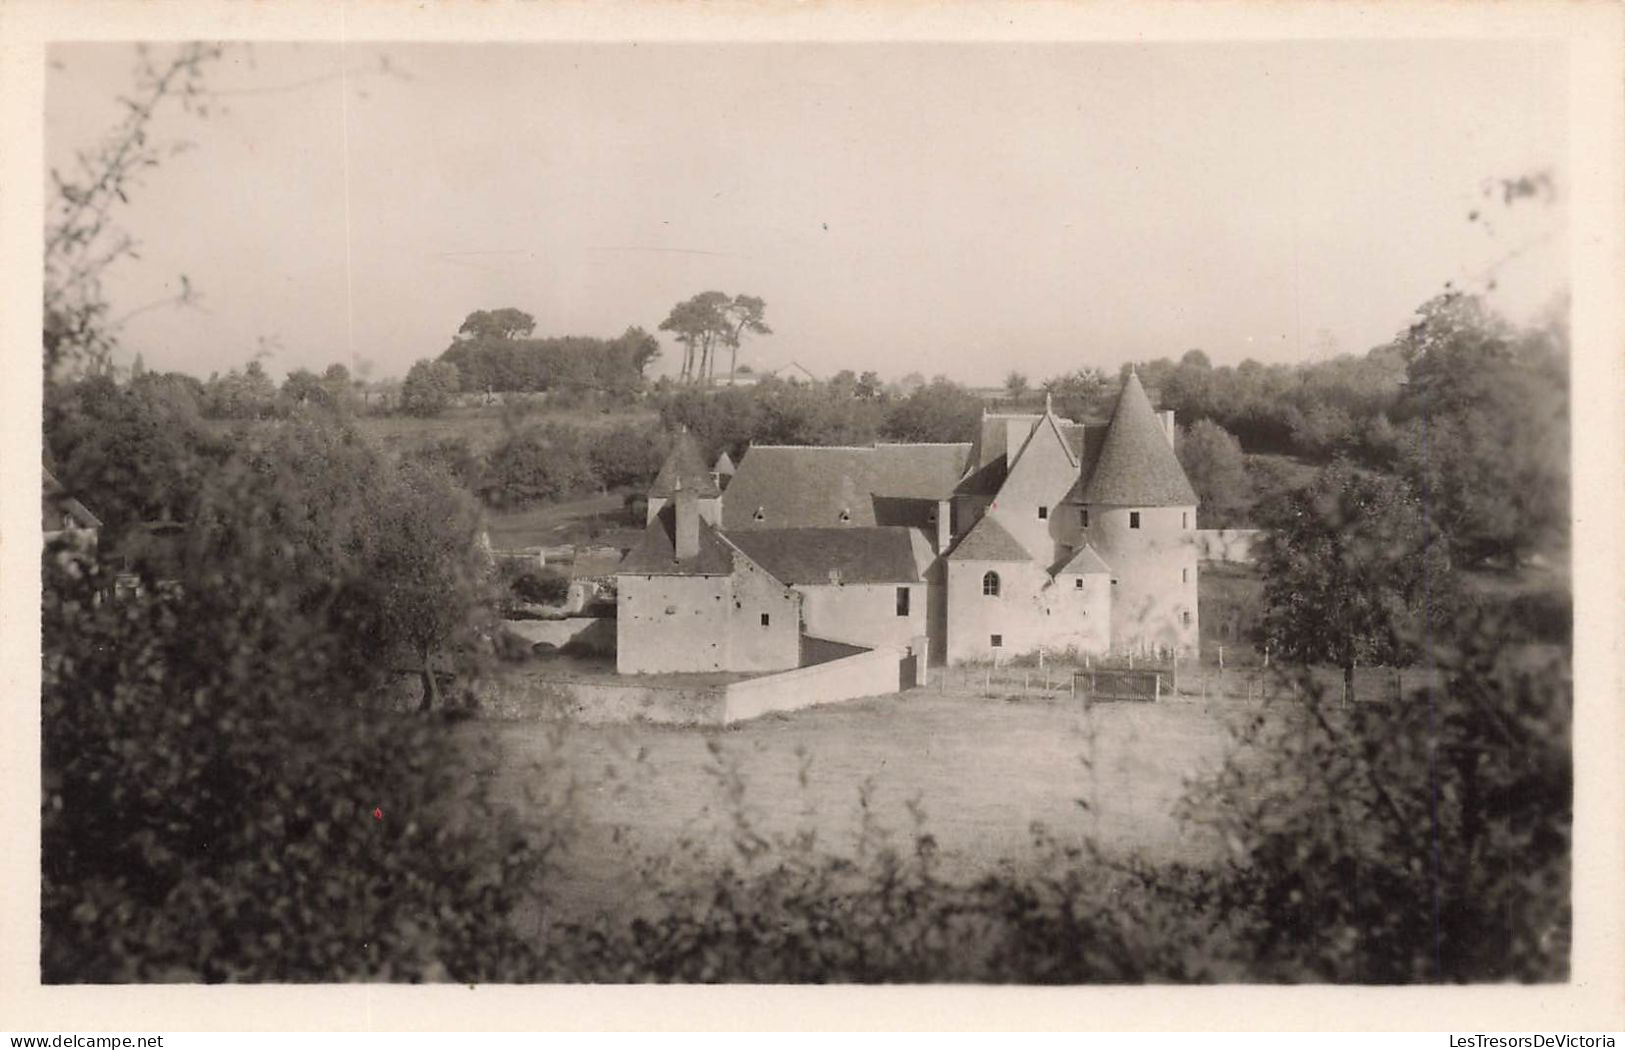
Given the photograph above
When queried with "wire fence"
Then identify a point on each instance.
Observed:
(1236, 676)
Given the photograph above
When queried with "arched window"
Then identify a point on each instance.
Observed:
(990, 585)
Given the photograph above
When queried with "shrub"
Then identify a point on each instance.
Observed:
(542, 587)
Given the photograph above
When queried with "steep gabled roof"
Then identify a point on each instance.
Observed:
(684, 463)
(799, 487)
(989, 541)
(655, 554)
(918, 471)
(1137, 465)
(1087, 561)
(874, 554)
(724, 464)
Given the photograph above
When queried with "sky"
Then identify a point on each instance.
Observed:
(957, 209)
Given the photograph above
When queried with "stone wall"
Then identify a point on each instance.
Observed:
(591, 634)
(873, 673)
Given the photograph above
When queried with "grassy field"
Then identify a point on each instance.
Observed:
(596, 519)
(981, 771)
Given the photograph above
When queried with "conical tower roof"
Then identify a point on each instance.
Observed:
(1137, 465)
(724, 464)
(685, 464)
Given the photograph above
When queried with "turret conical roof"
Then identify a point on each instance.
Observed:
(1137, 465)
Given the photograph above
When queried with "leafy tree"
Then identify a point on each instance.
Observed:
(217, 807)
(1485, 429)
(248, 394)
(1081, 394)
(429, 387)
(135, 453)
(543, 587)
(1422, 840)
(939, 411)
(744, 314)
(869, 386)
(507, 323)
(537, 464)
(1217, 470)
(627, 455)
(424, 573)
(1354, 571)
(700, 323)
(1015, 386)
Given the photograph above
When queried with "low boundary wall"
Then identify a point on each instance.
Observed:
(874, 672)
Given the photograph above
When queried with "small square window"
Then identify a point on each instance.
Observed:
(1185, 618)
(1077, 584)
(902, 601)
(766, 619)
(1184, 576)
(1043, 513)
(1133, 519)
(1184, 519)
(996, 641)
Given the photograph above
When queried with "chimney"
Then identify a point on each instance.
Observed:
(1167, 415)
(686, 540)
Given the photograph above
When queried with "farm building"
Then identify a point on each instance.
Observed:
(1041, 534)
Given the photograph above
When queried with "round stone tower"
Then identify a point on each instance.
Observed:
(1140, 515)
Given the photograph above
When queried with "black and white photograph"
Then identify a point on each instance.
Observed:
(796, 510)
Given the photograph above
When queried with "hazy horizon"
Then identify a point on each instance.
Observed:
(936, 208)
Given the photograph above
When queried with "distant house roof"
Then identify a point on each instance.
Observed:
(1136, 465)
(685, 464)
(57, 505)
(655, 554)
(807, 486)
(1084, 563)
(872, 554)
(724, 464)
(989, 541)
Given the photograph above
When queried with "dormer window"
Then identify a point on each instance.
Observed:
(846, 515)
(760, 515)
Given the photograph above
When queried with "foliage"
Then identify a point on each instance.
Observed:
(1485, 429)
(133, 453)
(424, 575)
(941, 410)
(566, 367)
(1355, 571)
(248, 394)
(1419, 841)
(216, 807)
(1079, 395)
(706, 323)
(429, 387)
(1217, 471)
(541, 587)
(505, 323)
(538, 463)
(81, 238)
(627, 455)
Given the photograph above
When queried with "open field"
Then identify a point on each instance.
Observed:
(983, 772)
(597, 519)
